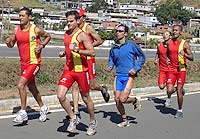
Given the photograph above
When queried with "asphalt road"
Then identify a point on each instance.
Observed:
(153, 122)
(52, 52)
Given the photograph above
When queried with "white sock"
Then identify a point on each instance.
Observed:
(180, 110)
(23, 111)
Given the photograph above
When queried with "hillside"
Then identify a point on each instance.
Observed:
(31, 3)
(194, 3)
(28, 3)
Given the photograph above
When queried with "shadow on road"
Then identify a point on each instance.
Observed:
(161, 107)
(115, 117)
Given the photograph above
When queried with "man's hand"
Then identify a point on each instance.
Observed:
(108, 69)
(132, 72)
(8, 42)
(61, 54)
(156, 61)
(182, 53)
(38, 49)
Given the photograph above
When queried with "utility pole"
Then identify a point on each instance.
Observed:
(2, 9)
(8, 16)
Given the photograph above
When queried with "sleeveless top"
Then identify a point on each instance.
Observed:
(177, 61)
(162, 53)
(74, 61)
(26, 42)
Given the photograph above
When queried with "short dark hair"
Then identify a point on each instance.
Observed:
(180, 26)
(126, 29)
(28, 11)
(75, 13)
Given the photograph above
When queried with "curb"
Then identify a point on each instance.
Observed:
(8, 105)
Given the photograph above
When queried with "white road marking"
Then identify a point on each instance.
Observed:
(100, 105)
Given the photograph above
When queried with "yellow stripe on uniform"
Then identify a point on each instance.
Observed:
(76, 57)
(32, 38)
(181, 61)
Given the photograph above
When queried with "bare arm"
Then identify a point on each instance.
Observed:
(89, 49)
(46, 38)
(95, 35)
(10, 41)
(156, 58)
(187, 52)
(41, 33)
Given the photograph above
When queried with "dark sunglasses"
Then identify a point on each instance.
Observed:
(120, 31)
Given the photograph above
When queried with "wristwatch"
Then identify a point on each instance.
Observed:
(43, 46)
(76, 50)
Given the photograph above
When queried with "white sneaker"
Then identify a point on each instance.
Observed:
(92, 129)
(73, 123)
(137, 104)
(43, 113)
(167, 103)
(21, 117)
(123, 124)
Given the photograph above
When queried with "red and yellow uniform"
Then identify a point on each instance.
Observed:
(90, 60)
(76, 64)
(30, 61)
(163, 66)
(177, 66)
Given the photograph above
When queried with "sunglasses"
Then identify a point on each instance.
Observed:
(120, 31)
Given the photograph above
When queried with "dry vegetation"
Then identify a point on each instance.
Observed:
(51, 69)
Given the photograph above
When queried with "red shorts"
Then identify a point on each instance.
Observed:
(69, 77)
(29, 72)
(162, 78)
(176, 76)
(91, 68)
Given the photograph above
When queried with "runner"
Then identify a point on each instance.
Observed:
(128, 59)
(96, 41)
(178, 51)
(77, 48)
(27, 36)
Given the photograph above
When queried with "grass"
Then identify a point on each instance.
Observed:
(51, 69)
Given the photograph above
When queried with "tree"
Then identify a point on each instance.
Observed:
(99, 5)
(172, 11)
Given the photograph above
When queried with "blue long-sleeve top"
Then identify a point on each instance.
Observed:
(126, 57)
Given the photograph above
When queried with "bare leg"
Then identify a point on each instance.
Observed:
(36, 94)
(75, 96)
(180, 96)
(21, 86)
(90, 105)
(61, 94)
(119, 104)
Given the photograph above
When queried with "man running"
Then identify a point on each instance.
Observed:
(178, 52)
(128, 59)
(77, 48)
(96, 41)
(30, 46)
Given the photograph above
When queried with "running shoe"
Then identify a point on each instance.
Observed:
(73, 123)
(167, 103)
(123, 124)
(137, 104)
(21, 117)
(105, 94)
(92, 129)
(43, 113)
(179, 115)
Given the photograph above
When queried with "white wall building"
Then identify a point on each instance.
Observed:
(197, 12)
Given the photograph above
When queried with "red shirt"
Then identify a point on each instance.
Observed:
(26, 42)
(162, 54)
(177, 61)
(74, 61)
